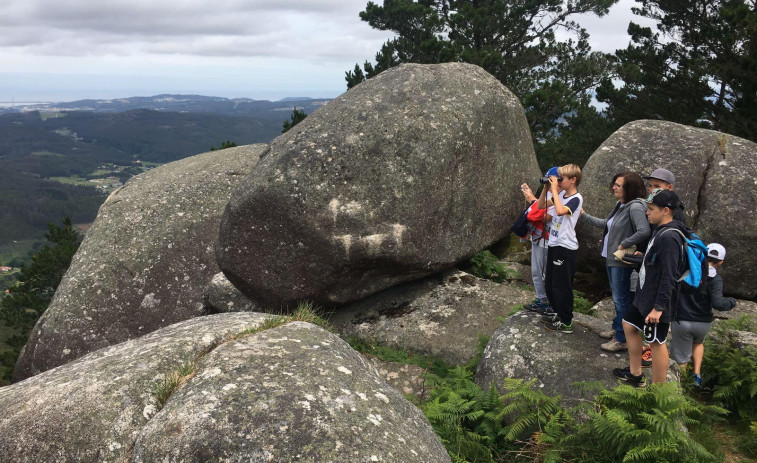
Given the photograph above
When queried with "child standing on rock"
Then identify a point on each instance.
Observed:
(694, 318)
(539, 220)
(563, 245)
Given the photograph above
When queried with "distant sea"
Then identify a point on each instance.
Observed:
(9, 104)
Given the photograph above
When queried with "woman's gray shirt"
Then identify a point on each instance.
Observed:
(629, 227)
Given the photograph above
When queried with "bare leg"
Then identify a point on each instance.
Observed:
(659, 362)
(633, 342)
(697, 352)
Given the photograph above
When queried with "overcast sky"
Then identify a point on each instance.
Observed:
(53, 50)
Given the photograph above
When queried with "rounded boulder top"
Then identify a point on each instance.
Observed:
(402, 176)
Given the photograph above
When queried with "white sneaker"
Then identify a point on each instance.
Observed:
(609, 334)
(614, 346)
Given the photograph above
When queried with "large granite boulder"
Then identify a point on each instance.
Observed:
(290, 393)
(716, 177)
(441, 316)
(146, 262)
(399, 178)
(522, 348)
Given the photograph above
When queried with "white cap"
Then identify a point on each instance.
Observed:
(716, 251)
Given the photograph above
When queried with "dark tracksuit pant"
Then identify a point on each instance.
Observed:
(561, 268)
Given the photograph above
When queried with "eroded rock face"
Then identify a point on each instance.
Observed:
(401, 177)
(294, 392)
(522, 348)
(716, 177)
(146, 262)
(440, 316)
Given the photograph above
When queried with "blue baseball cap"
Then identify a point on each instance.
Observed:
(552, 172)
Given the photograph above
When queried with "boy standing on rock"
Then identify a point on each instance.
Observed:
(563, 245)
(656, 296)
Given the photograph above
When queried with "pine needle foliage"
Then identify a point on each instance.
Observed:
(730, 370)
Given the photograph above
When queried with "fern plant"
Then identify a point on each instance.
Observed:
(731, 370)
(640, 425)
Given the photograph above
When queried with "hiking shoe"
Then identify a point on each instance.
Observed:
(697, 380)
(550, 317)
(614, 346)
(624, 374)
(544, 308)
(537, 306)
(609, 334)
(558, 325)
(646, 356)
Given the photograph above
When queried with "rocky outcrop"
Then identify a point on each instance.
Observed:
(146, 262)
(441, 316)
(522, 348)
(716, 177)
(401, 177)
(224, 297)
(294, 392)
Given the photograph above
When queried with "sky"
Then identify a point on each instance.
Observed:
(52, 50)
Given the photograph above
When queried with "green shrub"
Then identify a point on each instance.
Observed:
(731, 370)
(582, 305)
(486, 265)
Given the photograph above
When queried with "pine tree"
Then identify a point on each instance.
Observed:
(37, 282)
(297, 116)
(699, 68)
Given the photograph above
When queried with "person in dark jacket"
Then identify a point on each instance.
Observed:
(625, 228)
(694, 317)
(656, 296)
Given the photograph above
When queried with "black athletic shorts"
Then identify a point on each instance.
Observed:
(653, 332)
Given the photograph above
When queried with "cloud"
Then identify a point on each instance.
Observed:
(315, 30)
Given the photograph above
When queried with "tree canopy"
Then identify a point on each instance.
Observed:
(37, 282)
(699, 68)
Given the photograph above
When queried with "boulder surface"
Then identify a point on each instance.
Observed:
(522, 348)
(441, 316)
(716, 177)
(146, 262)
(291, 393)
(401, 177)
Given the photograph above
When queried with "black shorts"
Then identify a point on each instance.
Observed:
(653, 332)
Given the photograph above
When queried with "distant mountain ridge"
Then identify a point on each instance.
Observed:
(54, 156)
(263, 109)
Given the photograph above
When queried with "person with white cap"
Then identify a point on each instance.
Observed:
(694, 315)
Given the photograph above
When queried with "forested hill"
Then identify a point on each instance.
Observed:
(55, 163)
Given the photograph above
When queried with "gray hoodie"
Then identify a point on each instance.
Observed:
(629, 227)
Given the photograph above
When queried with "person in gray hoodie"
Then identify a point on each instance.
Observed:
(626, 227)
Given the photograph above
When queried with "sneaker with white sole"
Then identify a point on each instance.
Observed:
(558, 325)
(549, 317)
(609, 334)
(614, 345)
(624, 374)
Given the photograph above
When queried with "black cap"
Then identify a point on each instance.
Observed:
(664, 198)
